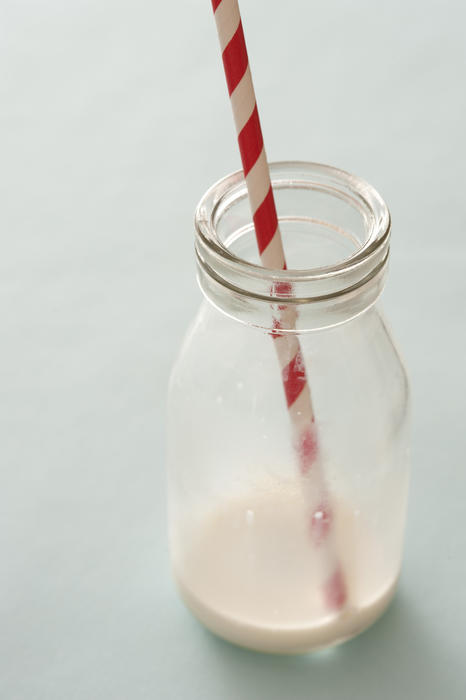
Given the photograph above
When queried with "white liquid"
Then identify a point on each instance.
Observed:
(248, 573)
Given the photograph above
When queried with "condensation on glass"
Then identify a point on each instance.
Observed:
(239, 536)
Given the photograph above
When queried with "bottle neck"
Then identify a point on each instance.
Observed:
(335, 229)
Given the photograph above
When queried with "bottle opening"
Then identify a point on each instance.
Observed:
(335, 230)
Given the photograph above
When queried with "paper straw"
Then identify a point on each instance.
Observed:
(269, 242)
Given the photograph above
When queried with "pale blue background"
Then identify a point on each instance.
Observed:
(114, 121)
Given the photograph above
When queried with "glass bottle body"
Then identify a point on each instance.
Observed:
(239, 523)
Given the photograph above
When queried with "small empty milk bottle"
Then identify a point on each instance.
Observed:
(248, 555)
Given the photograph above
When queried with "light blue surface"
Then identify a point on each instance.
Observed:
(114, 121)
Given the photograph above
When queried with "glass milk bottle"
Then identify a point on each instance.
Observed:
(244, 552)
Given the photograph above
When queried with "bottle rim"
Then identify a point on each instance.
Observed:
(309, 284)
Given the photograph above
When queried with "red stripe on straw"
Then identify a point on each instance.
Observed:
(335, 590)
(283, 289)
(307, 448)
(250, 141)
(215, 4)
(235, 59)
(294, 378)
(265, 221)
(276, 328)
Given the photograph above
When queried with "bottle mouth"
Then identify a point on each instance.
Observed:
(335, 229)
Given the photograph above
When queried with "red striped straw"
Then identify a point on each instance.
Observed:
(269, 241)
